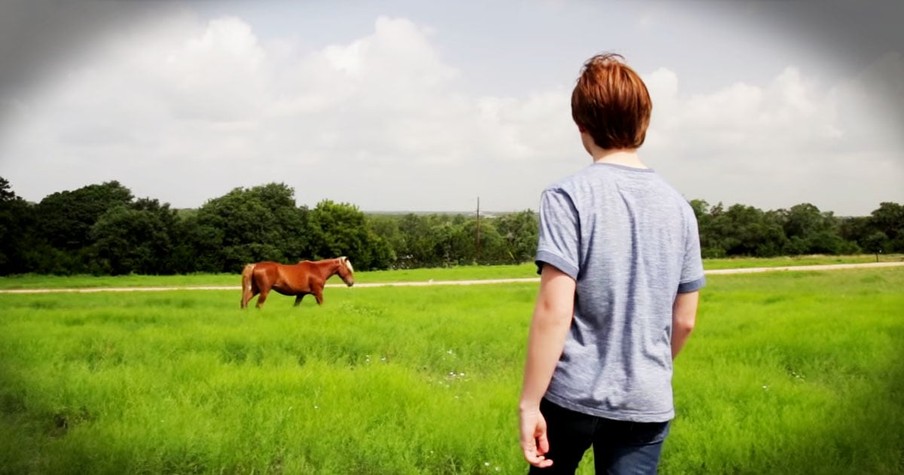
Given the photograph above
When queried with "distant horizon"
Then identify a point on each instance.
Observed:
(472, 211)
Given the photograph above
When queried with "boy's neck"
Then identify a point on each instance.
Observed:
(624, 157)
(617, 156)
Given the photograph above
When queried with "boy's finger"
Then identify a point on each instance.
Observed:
(539, 461)
(542, 444)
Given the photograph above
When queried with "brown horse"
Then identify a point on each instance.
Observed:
(306, 277)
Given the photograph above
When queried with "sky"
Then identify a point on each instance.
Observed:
(405, 105)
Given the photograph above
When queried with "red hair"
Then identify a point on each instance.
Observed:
(611, 103)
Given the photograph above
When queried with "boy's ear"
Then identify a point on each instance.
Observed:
(581, 128)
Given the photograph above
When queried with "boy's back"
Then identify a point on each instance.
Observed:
(632, 232)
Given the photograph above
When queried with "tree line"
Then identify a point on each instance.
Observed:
(103, 229)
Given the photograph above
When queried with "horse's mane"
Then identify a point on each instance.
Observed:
(341, 259)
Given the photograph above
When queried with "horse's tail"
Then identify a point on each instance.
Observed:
(247, 272)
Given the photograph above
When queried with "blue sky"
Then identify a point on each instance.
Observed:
(425, 106)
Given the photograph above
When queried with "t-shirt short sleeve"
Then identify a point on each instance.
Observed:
(559, 241)
(692, 277)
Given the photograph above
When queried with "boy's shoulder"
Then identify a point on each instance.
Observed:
(600, 173)
(601, 182)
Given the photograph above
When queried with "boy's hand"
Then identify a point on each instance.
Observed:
(534, 443)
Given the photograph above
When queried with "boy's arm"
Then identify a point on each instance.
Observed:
(684, 316)
(551, 320)
(549, 327)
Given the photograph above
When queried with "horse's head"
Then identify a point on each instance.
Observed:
(346, 272)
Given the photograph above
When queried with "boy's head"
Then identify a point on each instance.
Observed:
(611, 103)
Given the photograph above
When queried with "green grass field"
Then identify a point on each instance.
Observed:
(413, 275)
(786, 373)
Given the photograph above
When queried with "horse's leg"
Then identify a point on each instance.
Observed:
(247, 295)
(318, 294)
(253, 293)
(260, 300)
(246, 291)
(298, 299)
(249, 287)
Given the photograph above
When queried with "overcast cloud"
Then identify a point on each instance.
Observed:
(404, 107)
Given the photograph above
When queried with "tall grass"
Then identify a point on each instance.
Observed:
(786, 373)
(375, 381)
(794, 373)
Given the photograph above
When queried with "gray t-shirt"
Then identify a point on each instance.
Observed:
(630, 241)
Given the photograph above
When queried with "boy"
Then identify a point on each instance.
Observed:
(620, 270)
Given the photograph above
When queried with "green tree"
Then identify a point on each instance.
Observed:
(387, 227)
(519, 232)
(63, 221)
(66, 217)
(341, 229)
(745, 231)
(889, 220)
(418, 242)
(854, 231)
(446, 238)
(250, 225)
(134, 239)
(875, 242)
(773, 236)
(711, 241)
(464, 245)
(810, 231)
(196, 246)
(17, 231)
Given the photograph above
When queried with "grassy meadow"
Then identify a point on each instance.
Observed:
(786, 373)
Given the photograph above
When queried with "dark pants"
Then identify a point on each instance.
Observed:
(619, 447)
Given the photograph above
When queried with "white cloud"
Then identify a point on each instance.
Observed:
(184, 110)
(791, 141)
(187, 110)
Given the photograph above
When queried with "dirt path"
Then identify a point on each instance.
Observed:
(752, 270)
(749, 270)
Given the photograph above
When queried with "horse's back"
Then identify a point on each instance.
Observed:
(300, 274)
(265, 265)
(263, 271)
(307, 267)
